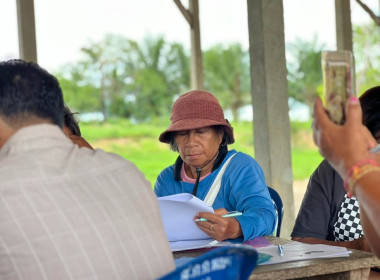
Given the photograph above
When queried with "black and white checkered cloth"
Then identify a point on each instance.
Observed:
(348, 226)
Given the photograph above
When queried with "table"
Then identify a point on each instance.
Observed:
(355, 267)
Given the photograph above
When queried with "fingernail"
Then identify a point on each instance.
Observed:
(353, 100)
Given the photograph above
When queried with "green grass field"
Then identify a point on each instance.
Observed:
(139, 144)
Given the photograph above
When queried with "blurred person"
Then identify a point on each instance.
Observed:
(66, 212)
(200, 134)
(349, 150)
(327, 215)
(72, 130)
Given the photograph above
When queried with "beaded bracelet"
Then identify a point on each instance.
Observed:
(357, 171)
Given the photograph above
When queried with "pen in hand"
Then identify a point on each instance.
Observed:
(228, 215)
(280, 251)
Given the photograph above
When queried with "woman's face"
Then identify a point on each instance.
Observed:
(198, 146)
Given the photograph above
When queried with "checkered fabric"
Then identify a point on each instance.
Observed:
(348, 226)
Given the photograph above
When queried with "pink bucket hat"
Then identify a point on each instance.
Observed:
(196, 109)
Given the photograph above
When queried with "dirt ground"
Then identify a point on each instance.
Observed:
(299, 188)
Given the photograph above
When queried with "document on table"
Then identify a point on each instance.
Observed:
(192, 244)
(296, 251)
(177, 213)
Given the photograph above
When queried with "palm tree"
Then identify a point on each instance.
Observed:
(227, 76)
(159, 72)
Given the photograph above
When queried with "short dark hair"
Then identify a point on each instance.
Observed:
(370, 102)
(28, 90)
(70, 122)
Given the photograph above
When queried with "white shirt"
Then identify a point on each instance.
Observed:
(74, 213)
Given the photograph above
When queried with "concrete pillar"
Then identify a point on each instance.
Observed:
(196, 50)
(343, 25)
(270, 100)
(26, 30)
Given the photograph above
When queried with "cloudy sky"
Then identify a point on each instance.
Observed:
(63, 27)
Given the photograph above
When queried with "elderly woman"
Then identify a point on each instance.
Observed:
(227, 180)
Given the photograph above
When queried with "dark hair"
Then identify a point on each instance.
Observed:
(370, 102)
(219, 129)
(172, 142)
(70, 122)
(27, 90)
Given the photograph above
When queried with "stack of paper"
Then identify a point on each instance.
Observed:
(177, 213)
(296, 251)
(192, 244)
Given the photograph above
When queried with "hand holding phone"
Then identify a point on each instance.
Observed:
(338, 82)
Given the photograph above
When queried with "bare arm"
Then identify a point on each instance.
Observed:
(368, 193)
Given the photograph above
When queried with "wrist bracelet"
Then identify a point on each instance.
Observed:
(357, 171)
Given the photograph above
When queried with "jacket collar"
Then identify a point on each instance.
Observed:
(218, 161)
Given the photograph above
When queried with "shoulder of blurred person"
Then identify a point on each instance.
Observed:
(62, 205)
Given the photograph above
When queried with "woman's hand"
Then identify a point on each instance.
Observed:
(342, 145)
(217, 227)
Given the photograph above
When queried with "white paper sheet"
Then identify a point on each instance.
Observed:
(192, 244)
(178, 211)
(297, 251)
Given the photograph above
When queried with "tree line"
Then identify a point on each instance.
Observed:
(120, 77)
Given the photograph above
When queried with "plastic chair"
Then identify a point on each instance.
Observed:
(279, 208)
(230, 263)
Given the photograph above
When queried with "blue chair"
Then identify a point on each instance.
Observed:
(279, 208)
(230, 263)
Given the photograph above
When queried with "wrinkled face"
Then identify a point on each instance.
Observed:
(198, 146)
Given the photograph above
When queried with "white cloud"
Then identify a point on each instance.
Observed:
(63, 27)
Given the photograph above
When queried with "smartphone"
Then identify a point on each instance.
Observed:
(338, 70)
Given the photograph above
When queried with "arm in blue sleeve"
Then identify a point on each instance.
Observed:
(161, 187)
(251, 196)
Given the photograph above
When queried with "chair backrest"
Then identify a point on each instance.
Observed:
(279, 208)
(231, 263)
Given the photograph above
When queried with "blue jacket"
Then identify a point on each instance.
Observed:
(242, 189)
